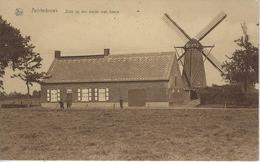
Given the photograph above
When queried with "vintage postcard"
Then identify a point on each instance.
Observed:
(129, 80)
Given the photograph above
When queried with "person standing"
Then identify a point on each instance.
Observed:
(121, 102)
(61, 104)
(69, 100)
(69, 103)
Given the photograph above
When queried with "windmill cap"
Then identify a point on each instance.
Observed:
(193, 43)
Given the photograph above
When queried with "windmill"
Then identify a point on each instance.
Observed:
(194, 54)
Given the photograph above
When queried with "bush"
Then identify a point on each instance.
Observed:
(228, 95)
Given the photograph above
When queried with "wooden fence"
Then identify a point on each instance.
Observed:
(21, 101)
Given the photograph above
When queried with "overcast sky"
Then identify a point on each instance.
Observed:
(136, 27)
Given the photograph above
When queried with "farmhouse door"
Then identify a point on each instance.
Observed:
(136, 97)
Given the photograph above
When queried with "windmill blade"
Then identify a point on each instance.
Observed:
(213, 61)
(184, 34)
(213, 23)
(186, 78)
(184, 73)
(181, 58)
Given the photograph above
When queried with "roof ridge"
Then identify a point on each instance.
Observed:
(117, 55)
(81, 56)
(142, 54)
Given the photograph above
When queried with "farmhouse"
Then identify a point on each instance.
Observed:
(145, 79)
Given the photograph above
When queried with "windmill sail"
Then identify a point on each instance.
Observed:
(213, 61)
(182, 33)
(213, 23)
(181, 58)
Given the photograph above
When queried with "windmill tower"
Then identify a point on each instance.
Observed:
(194, 54)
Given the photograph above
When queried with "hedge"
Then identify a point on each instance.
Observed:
(229, 95)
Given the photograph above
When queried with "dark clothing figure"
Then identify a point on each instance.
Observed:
(61, 104)
(69, 105)
(69, 100)
(121, 102)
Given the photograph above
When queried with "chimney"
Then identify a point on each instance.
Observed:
(106, 51)
(57, 54)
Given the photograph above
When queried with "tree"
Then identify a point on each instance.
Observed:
(242, 66)
(2, 95)
(13, 47)
(28, 69)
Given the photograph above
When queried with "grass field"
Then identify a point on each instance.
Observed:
(177, 134)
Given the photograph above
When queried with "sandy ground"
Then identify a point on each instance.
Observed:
(190, 134)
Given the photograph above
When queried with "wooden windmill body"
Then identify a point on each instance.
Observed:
(194, 54)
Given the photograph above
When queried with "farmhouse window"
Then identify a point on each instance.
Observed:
(48, 95)
(53, 95)
(79, 95)
(84, 94)
(96, 94)
(101, 94)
